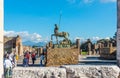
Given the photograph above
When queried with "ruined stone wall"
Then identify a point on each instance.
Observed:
(11, 43)
(68, 71)
(62, 56)
(19, 46)
(8, 43)
(28, 48)
(108, 53)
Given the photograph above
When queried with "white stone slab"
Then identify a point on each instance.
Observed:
(92, 71)
(39, 72)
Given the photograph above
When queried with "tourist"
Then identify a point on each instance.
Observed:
(33, 56)
(7, 66)
(42, 59)
(27, 55)
(25, 61)
(12, 58)
(15, 58)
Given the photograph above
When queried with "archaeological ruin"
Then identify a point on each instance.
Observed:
(13, 44)
(66, 71)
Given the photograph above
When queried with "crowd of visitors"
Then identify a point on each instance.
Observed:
(11, 58)
(33, 56)
(27, 55)
(10, 61)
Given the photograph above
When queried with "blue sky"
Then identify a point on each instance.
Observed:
(81, 18)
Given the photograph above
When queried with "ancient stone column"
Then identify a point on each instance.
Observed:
(1, 39)
(41, 50)
(89, 48)
(108, 44)
(118, 32)
(78, 44)
(94, 50)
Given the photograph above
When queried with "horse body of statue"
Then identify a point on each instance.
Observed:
(59, 34)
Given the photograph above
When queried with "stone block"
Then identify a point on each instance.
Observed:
(92, 71)
(39, 72)
(62, 56)
(108, 53)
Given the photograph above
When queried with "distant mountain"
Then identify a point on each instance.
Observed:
(41, 44)
(30, 43)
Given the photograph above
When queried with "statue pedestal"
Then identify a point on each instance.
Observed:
(62, 56)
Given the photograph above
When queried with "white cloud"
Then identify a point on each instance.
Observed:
(89, 1)
(95, 38)
(107, 38)
(71, 1)
(85, 39)
(106, 1)
(26, 36)
(79, 1)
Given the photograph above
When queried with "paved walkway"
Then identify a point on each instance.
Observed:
(94, 59)
(37, 62)
(83, 60)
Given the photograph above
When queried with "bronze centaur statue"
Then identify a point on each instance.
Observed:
(57, 34)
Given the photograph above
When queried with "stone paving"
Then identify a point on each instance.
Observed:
(89, 59)
(95, 59)
(37, 61)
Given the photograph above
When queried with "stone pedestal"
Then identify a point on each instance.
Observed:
(1, 38)
(62, 56)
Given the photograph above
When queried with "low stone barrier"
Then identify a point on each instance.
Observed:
(92, 71)
(68, 71)
(39, 72)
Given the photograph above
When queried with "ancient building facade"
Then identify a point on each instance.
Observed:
(28, 48)
(13, 43)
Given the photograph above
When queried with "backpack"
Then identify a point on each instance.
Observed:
(16, 57)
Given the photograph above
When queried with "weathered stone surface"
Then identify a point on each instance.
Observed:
(68, 71)
(62, 56)
(108, 53)
(92, 71)
(15, 43)
(41, 72)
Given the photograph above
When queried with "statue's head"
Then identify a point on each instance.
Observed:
(55, 25)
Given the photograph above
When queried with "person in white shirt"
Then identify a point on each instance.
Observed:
(42, 59)
(7, 66)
